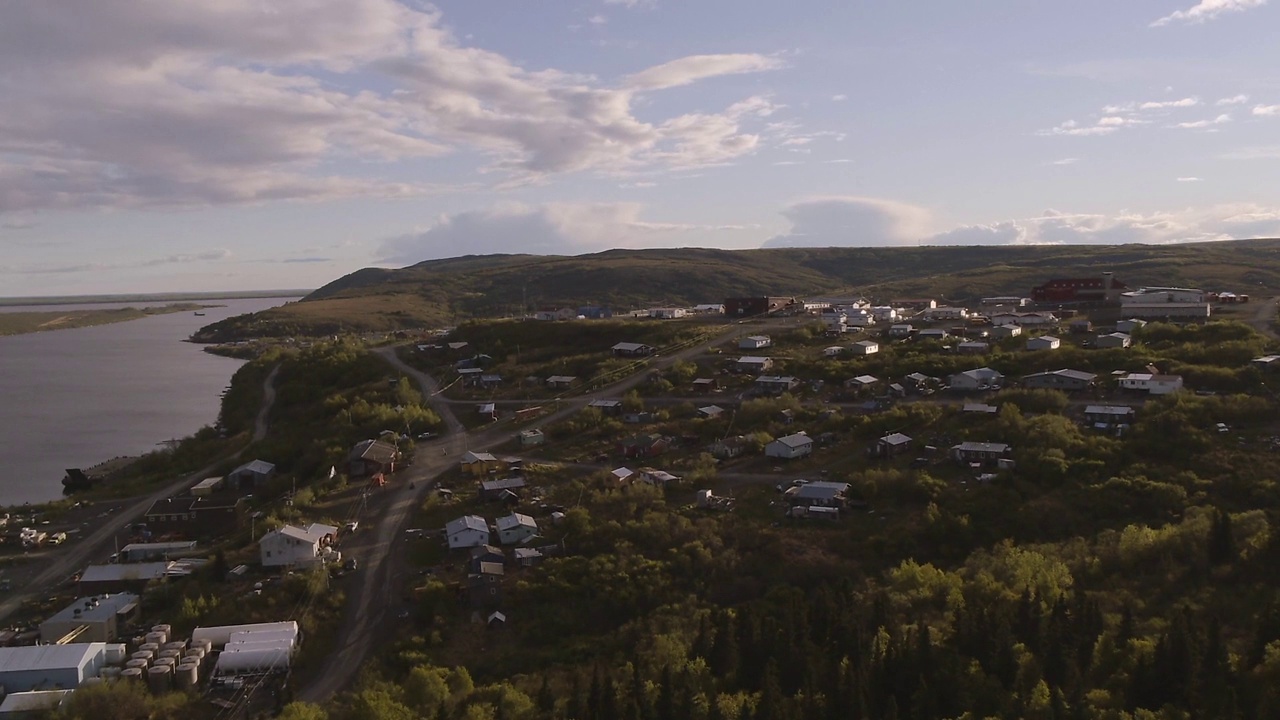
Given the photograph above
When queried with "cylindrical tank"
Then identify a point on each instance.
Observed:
(147, 655)
(161, 628)
(195, 653)
(159, 679)
(158, 638)
(153, 647)
(171, 653)
(90, 681)
(174, 645)
(140, 664)
(111, 673)
(165, 662)
(203, 643)
(131, 673)
(187, 675)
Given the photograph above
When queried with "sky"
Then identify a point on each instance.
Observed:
(154, 146)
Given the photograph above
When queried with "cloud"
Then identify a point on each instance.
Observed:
(182, 259)
(1166, 104)
(839, 97)
(553, 229)
(1002, 233)
(1207, 10)
(632, 3)
(152, 104)
(1064, 161)
(688, 70)
(837, 161)
(851, 221)
(1259, 152)
(1074, 129)
(307, 260)
(1233, 100)
(597, 19)
(1189, 179)
(1196, 124)
(207, 256)
(1266, 110)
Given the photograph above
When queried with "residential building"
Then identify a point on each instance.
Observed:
(516, 528)
(710, 412)
(1013, 300)
(755, 342)
(117, 578)
(659, 478)
(1000, 332)
(973, 347)
(101, 616)
(595, 312)
(865, 347)
(819, 494)
(1107, 416)
(1104, 288)
(527, 557)
(628, 349)
(709, 309)
(291, 546)
(208, 486)
(980, 408)
(1025, 319)
(622, 475)
(149, 551)
(1068, 380)
(776, 384)
(753, 364)
(1043, 342)
(484, 588)
(480, 464)
(1266, 362)
(833, 351)
(251, 475)
(561, 382)
(790, 447)
(729, 448)
(645, 445)
(197, 517)
(1151, 383)
(862, 383)
(1113, 340)
(945, 313)
(915, 303)
(892, 445)
(1130, 325)
(933, 334)
(55, 667)
(901, 330)
(371, 457)
(982, 453)
(920, 383)
(484, 554)
(668, 313)
(1080, 327)
(607, 407)
(466, 531)
(834, 321)
(705, 384)
(502, 488)
(531, 438)
(983, 378)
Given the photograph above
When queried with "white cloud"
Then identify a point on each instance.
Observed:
(1266, 110)
(1075, 129)
(837, 161)
(1206, 10)
(597, 19)
(1166, 104)
(1064, 161)
(851, 221)
(1233, 100)
(1261, 152)
(632, 3)
(789, 162)
(553, 229)
(144, 103)
(1190, 179)
(839, 98)
(1196, 124)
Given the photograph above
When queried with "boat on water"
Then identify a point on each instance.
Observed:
(199, 314)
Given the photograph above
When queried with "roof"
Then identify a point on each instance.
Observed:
(466, 522)
(161, 546)
(865, 379)
(1043, 338)
(867, 343)
(623, 473)
(491, 568)
(503, 484)
(130, 571)
(311, 536)
(561, 379)
(981, 373)
(485, 550)
(659, 475)
(981, 447)
(758, 337)
(979, 408)
(470, 371)
(770, 379)
(475, 457)
(207, 483)
(895, 439)
(527, 553)
(516, 520)
(704, 381)
(1067, 373)
(974, 344)
(374, 450)
(630, 347)
(47, 657)
(605, 403)
(919, 377)
(32, 701)
(796, 440)
(753, 360)
(257, 467)
(96, 608)
(821, 491)
(1108, 410)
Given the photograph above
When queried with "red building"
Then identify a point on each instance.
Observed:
(1079, 290)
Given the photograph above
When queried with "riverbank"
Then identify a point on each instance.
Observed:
(21, 323)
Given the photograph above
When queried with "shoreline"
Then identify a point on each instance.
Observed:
(36, 321)
(148, 297)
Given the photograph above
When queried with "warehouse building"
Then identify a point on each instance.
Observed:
(101, 616)
(54, 667)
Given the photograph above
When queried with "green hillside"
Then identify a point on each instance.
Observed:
(440, 292)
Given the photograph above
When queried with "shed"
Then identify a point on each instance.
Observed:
(251, 475)
(790, 447)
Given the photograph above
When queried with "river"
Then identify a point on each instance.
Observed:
(75, 397)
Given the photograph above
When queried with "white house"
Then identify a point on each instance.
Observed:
(294, 545)
(753, 363)
(516, 528)
(865, 347)
(978, 379)
(833, 351)
(945, 313)
(884, 313)
(834, 320)
(1044, 342)
(1113, 340)
(860, 318)
(1128, 326)
(790, 447)
(1001, 332)
(754, 342)
(667, 313)
(709, 309)
(1151, 384)
(467, 531)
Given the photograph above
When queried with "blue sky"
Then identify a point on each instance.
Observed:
(148, 146)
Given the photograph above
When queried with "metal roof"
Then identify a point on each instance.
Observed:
(1108, 410)
(475, 457)
(796, 440)
(32, 701)
(503, 484)
(515, 520)
(981, 447)
(466, 522)
(895, 439)
(130, 571)
(257, 467)
(95, 608)
(48, 657)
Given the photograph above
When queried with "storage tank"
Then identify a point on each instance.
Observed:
(165, 662)
(162, 629)
(196, 653)
(186, 675)
(219, 636)
(139, 663)
(203, 643)
(158, 638)
(252, 661)
(90, 682)
(131, 673)
(115, 653)
(111, 673)
(153, 647)
(174, 645)
(159, 679)
(143, 655)
(171, 653)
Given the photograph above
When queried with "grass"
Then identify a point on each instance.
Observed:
(20, 323)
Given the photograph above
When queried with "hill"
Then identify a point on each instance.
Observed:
(441, 292)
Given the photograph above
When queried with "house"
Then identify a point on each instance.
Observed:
(833, 351)
(1151, 383)
(884, 313)
(101, 616)
(980, 453)
(55, 667)
(980, 408)
(915, 303)
(667, 313)
(1044, 342)
(790, 447)
(561, 382)
(484, 588)
(1104, 288)
(865, 347)
(1080, 327)
(1024, 319)
(595, 312)
(751, 306)
(729, 448)
(195, 517)
(251, 475)
(1013, 300)
(294, 546)
(776, 384)
(709, 309)
(1162, 302)
(479, 464)
(1001, 332)
(470, 376)
(944, 313)
(1266, 362)
(920, 383)
(861, 383)
(527, 557)
(819, 494)
(530, 438)
(834, 321)
(466, 531)
(710, 412)
(1113, 340)
(659, 478)
(516, 528)
(860, 317)
(1130, 325)
(607, 407)
(1068, 380)
(627, 349)
(504, 488)
(370, 457)
(645, 445)
(753, 364)
(982, 378)
(207, 486)
(490, 381)
(1104, 417)
(705, 384)
(488, 411)
(484, 554)
(639, 418)
(933, 334)
(973, 348)
(146, 552)
(892, 445)
(622, 475)
(755, 342)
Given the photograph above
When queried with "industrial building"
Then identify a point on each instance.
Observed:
(54, 667)
(101, 616)
(257, 649)
(1103, 289)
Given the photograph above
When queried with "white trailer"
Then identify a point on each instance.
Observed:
(220, 636)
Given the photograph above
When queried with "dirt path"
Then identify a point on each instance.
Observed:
(63, 564)
(1264, 316)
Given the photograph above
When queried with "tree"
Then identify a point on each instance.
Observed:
(1222, 546)
(302, 711)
